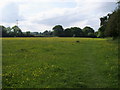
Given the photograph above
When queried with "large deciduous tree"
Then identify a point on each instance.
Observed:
(113, 24)
(88, 31)
(103, 22)
(110, 24)
(77, 32)
(17, 31)
(58, 31)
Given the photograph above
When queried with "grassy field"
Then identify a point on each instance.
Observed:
(59, 63)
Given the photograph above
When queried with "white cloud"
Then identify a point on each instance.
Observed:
(12, 14)
(39, 15)
(28, 26)
(80, 24)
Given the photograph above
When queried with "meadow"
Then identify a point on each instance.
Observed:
(59, 63)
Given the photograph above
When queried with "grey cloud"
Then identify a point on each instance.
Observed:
(107, 7)
(66, 19)
(75, 16)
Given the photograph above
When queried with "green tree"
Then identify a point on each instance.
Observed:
(68, 32)
(96, 33)
(4, 31)
(17, 31)
(91, 35)
(101, 31)
(86, 30)
(110, 24)
(103, 22)
(113, 24)
(58, 31)
(9, 31)
(77, 32)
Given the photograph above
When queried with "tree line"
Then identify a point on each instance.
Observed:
(73, 32)
(15, 31)
(57, 30)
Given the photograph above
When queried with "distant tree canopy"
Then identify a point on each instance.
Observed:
(73, 32)
(77, 32)
(58, 30)
(15, 31)
(88, 31)
(68, 32)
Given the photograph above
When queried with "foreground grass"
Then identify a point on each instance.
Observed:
(59, 63)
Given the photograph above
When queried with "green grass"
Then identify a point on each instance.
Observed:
(59, 63)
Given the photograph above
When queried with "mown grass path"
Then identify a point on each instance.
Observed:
(60, 63)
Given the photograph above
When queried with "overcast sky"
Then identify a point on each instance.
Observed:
(41, 15)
